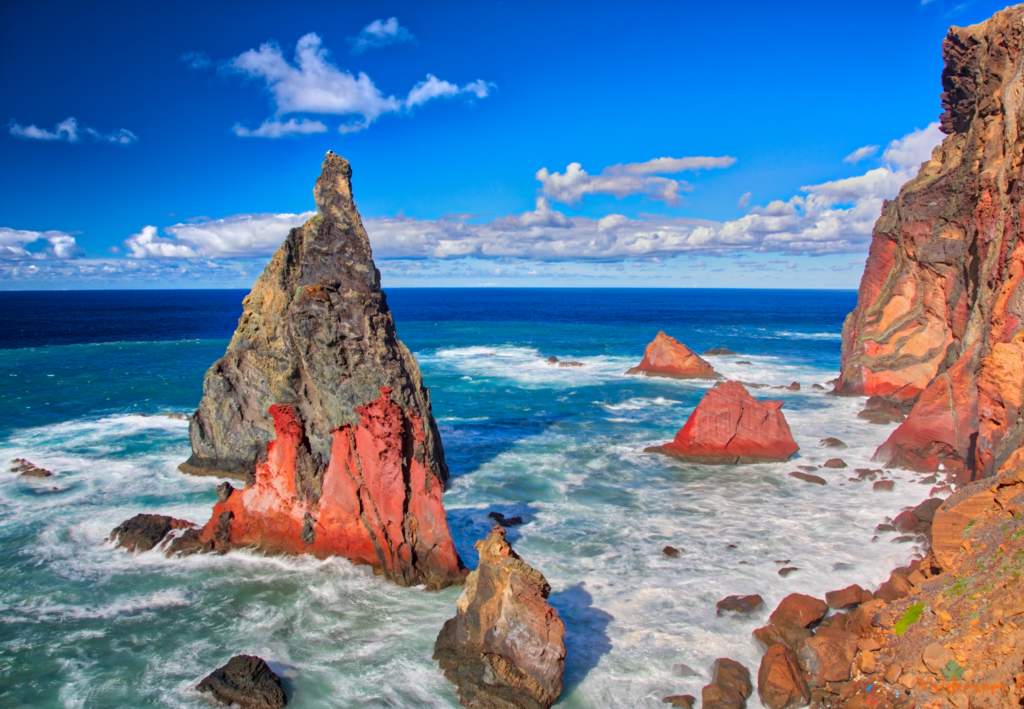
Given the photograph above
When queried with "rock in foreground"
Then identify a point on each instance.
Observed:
(730, 426)
(322, 411)
(504, 648)
(667, 357)
(246, 681)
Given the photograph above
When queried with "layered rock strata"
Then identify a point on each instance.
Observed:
(940, 309)
(504, 648)
(667, 357)
(321, 410)
(730, 426)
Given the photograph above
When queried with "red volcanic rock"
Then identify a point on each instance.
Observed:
(320, 408)
(845, 598)
(779, 682)
(504, 648)
(667, 357)
(799, 611)
(731, 426)
(937, 319)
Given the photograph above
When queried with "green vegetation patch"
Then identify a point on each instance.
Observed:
(909, 617)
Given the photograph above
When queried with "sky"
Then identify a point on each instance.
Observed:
(668, 144)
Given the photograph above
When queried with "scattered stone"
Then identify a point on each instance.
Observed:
(780, 684)
(807, 468)
(740, 605)
(848, 597)
(246, 681)
(799, 611)
(794, 386)
(784, 572)
(681, 700)
(785, 635)
(832, 443)
(671, 552)
(145, 531)
(936, 658)
(25, 469)
(718, 351)
(836, 463)
(731, 546)
(743, 361)
(782, 562)
(808, 478)
(930, 480)
(552, 360)
(505, 521)
(892, 675)
(883, 485)
(730, 686)
(884, 527)
(504, 647)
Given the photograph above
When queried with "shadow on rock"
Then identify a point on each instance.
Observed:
(585, 637)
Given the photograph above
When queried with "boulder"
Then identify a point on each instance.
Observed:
(26, 469)
(740, 605)
(848, 597)
(246, 681)
(828, 656)
(670, 552)
(832, 443)
(786, 635)
(799, 611)
(836, 463)
(883, 485)
(505, 521)
(145, 531)
(322, 411)
(504, 647)
(667, 357)
(808, 478)
(680, 700)
(780, 684)
(730, 686)
(730, 426)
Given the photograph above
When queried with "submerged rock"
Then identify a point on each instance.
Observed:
(744, 606)
(246, 681)
(322, 411)
(718, 351)
(145, 531)
(808, 478)
(26, 469)
(504, 648)
(667, 357)
(832, 443)
(731, 426)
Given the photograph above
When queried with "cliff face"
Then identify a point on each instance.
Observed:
(321, 410)
(940, 307)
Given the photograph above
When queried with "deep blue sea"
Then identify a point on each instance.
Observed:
(84, 377)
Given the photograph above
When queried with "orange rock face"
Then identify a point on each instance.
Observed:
(731, 426)
(939, 303)
(378, 505)
(667, 357)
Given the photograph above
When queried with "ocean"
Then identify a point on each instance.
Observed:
(85, 377)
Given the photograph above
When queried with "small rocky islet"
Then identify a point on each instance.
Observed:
(320, 412)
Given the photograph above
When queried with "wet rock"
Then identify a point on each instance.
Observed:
(743, 361)
(25, 469)
(730, 426)
(832, 443)
(808, 478)
(784, 572)
(799, 611)
(670, 552)
(883, 485)
(552, 360)
(718, 351)
(780, 634)
(740, 605)
(145, 531)
(836, 463)
(571, 364)
(667, 357)
(906, 521)
(927, 509)
(505, 521)
(780, 684)
(247, 681)
(828, 656)
(794, 386)
(817, 387)
(322, 410)
(504, 647)
(730, 686)
(681, 700)
(848, 597)
(683, 670)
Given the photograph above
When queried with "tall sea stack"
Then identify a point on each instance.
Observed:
(940, 310)
(322, 411)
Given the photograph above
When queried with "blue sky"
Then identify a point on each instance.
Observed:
(514, 144)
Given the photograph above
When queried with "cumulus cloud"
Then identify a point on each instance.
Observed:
(908, 152)
(279, 129)
(51, 245)
(861, 153)
(237, 236)
(624, 180)
(379, 33)
(69, 131)
(313, 84)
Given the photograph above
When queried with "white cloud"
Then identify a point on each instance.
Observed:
(670, 166)
(860, 153)
(58, 244)
(69, 131)
(315, 85)
(914, 148)
(380, 33)
(238, 236)
(744, 201)
(278, 129)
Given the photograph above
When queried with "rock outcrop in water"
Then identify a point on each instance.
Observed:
(246, 681)
(940, 310)
(145, 531)
(504, 648)
(730, 426)
(667, 357)
(321, 410)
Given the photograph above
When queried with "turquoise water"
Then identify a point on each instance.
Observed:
(85, 625)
